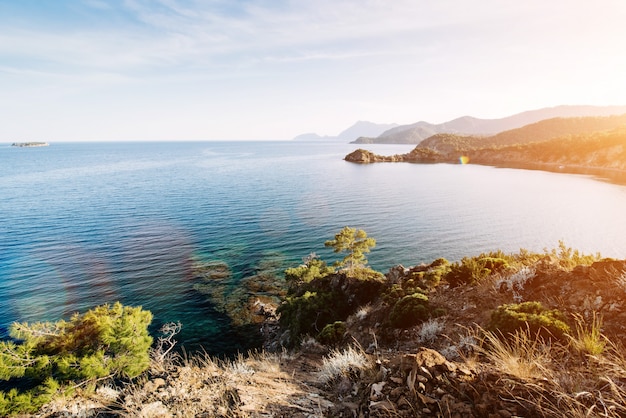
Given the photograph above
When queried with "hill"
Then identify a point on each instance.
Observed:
(360, 128)
(467, 125)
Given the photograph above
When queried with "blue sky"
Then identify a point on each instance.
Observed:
(81, 70)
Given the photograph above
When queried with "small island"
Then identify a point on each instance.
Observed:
(29, 144)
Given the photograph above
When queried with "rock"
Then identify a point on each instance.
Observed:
(403, 403)
(376, 391)
(154, 410)
(382, 406)
(395, 393)
(426, 400)
(151, 386)
(361, 156)
(429, 358)
(396, 274)
(396, 380)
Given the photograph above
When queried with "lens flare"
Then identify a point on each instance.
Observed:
(464, 159)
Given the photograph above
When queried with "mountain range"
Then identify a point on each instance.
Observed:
(372, 133)
(358, 130)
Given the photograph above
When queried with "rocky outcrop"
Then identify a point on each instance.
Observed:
(362, 156)
(600, 154)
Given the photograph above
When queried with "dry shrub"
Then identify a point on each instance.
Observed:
(522, 354)
(569, 385)
(346, 362)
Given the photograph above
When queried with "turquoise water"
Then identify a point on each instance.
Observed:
(82, 224)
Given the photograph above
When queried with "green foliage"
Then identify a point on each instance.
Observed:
(531, 316)
(332, 333)
(318, 295)
(472, 270)
(313, 268)
(15, 402)
(431, 277)
(569, 258)
(325, 300)
(356, 243)
(410, 310)
(106, 341)
(310, 312)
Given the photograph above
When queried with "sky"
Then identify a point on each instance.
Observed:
(96, 70)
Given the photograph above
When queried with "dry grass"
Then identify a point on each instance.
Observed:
(588, 339)
(523, 355)
(253, 385)
(555, 380)
(343, 363)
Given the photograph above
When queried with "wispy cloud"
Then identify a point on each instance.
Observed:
(350, 54)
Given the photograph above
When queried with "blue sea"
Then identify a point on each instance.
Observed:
(83, 224)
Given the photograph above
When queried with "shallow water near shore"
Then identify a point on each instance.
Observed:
(88, 223)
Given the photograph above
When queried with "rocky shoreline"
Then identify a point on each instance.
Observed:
(419, 155)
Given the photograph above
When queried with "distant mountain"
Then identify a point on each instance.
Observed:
(361, 128)
(364, 128)
(467, 125)
(310, 136)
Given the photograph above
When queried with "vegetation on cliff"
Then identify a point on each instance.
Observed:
(105, 342)
(496, 334)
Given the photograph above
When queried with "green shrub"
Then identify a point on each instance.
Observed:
(531, 316)
(410, 310)
(318, 295)
(332, 334)
(324, 300)
(310, 312)
(313, 268)
(106, 341)
(569, 258)
(436, 271)
(472, 270)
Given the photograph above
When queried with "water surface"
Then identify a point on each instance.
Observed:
(83, 223)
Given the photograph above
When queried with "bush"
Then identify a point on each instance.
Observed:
(569, 258)
(531, 316)
(313, 305)
(332, 334)
(106, 341)
(436, 271)
(313, 268)
(409, 311)
(309, 313)
(472, 270)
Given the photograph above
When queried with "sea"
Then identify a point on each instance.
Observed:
(82, 224)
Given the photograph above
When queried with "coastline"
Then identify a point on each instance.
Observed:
(611, 175)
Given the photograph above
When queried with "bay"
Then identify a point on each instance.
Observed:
(88, 223)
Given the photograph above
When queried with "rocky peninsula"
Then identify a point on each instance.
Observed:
(602, 153)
